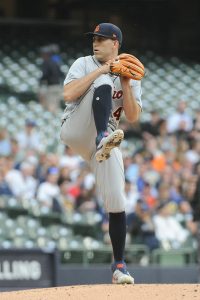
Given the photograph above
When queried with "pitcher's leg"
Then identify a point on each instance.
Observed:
(110, 183)
(102, 107)
(78, 130)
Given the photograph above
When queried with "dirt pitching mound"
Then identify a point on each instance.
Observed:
(115, 292)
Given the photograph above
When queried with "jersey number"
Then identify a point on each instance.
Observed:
(117, 113)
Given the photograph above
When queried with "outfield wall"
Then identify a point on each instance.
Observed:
(21, 269)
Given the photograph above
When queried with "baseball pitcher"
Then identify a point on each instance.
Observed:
(97, 89)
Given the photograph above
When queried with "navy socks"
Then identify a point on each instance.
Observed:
(117, 231)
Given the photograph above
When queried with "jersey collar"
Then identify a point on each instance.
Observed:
(96, 61)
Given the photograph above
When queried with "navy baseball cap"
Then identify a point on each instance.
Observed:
(107, 30)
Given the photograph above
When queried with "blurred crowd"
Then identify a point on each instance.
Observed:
(162, 177)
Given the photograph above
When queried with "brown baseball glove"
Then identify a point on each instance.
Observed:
(129, 66)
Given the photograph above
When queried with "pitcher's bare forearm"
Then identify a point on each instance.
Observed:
(131, 107)
(77, 87)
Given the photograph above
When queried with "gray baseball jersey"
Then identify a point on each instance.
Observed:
(78, 131)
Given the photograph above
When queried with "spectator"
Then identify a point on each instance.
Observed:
(158, 157)
(29, 138)
(151, 126)
(185, 217)
(81, 179)
(132, 196)
(4, 187)
(66, 199)
(131, 130)
(162, 129)
(148, 196)
(132, 165)
(17, 155)
(179, 207)
(64, 175)
(28, 182)
(147, 175)
(52, 160)
(164, 193)
(70, 159)
(196, 120)
(180, 121)
(167, 174)
(13, 177)
(168, 230)
(21, 182)
(193, 154)
(190, 188)
(195, 201)
(175, 189)
(50, 91)
(49, 193)
(41, 167)
(141, 226)
(86, 200)
(55, 54)
(5, 143)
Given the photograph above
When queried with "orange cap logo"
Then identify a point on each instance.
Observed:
(97, 28)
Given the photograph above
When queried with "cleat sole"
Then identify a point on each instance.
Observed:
(104, 153)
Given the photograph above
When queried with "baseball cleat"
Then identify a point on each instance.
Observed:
(120, 274)
(107, 143)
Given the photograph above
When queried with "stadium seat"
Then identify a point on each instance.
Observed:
(32, 228)
(14, 208)
(6, 244)
(74, 252)
(73, 256)
(137, 254)
(101, 255)
(50, 218)
(174, 257)
(57, 231)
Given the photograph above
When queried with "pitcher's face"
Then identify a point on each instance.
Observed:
(105, 49)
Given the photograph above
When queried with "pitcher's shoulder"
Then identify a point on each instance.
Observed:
(89, 58)
(91, 63)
